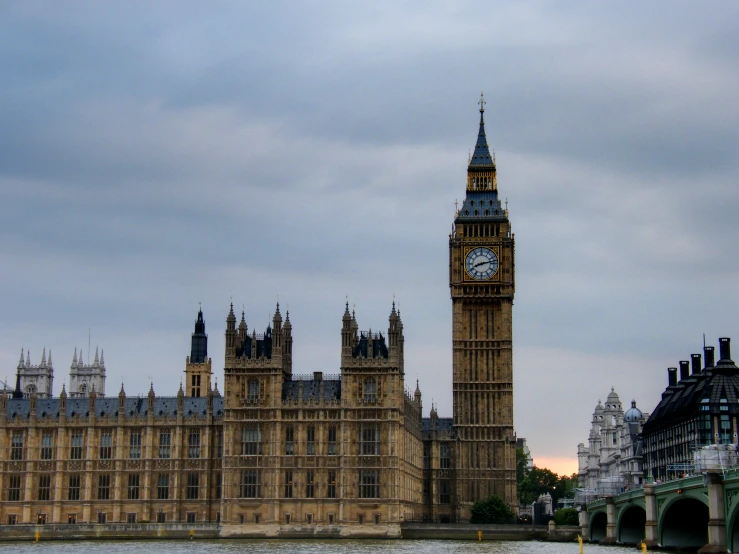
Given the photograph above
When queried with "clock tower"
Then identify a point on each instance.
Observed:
(482, 282)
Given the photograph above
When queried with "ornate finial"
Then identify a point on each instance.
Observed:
(506, 204)
(482, 102)
(493, 155)
(469, 156)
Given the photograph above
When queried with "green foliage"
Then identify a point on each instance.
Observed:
(521, 462)
(538, 481)
(491, 510)
(566, 516)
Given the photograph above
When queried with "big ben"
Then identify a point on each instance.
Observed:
(482, 283)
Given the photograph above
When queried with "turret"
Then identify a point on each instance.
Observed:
(197, 364)
(231, 332)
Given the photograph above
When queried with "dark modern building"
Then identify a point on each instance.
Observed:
(699, 408)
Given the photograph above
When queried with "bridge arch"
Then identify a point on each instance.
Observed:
(631, 524)
(598, 523)
(684, 522)
(732, 526)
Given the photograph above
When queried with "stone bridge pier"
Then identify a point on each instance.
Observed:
(716, 514)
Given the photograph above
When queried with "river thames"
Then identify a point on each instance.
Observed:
(306, 547)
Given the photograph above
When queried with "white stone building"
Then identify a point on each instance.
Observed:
(83, 379)
(37, 379)
(612, 461)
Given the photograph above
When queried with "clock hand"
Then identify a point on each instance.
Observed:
(478, 264)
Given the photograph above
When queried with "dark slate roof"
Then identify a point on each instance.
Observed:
(134, 407)
(481, 206)
(442, 424)
(481, 158)
(682, 402)
(311, 390)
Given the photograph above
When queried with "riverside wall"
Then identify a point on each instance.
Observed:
(173, 531)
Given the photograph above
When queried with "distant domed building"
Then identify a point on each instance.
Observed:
(612, 461)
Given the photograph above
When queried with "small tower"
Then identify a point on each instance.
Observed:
(83, 378)
(198, 365)
(34, 379)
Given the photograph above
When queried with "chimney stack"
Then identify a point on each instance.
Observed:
(684, 369)
(696, 361)
(708, 351)
(724, 345)
(672, 376)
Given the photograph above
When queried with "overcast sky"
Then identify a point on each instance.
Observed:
(154, 155)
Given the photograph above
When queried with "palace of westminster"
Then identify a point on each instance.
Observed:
(275, 449)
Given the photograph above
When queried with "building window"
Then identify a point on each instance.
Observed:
(14, 488)
(310, 487)
(193, 444)
(311, 441)
(193, 486)
(76, 451)
(161, 517)
(47, 446)
(332, 440)
(331, 492)
(444, 457)
(614, 439)
(134, 448)
(252, 391)
(12, 519)
(133, 486)
(289, 440)
(195, 386)
(426, 456)
(445, 492)
(16, 446)
(370, 390)
(103, 487)
(725, 429)
(369, 440)
(106, 445)
(191, 517)
(369, 484)
(74, 487)
(102, 517)
(71, 519)
(218, 486)
(309, 518)
(219, 445)
(251, 440)
(377, 519)
(256, 519)
(165, 442)
(251, 484)
(44, 487)
(131, 518)
(360, 519)
(426, 489)
(330, 519)
(163, 487)
(287, 519)
(288, 484)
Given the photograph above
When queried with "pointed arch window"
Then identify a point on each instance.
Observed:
(252, 391)
(370, 390)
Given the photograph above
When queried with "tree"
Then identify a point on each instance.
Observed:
(566, 516)
(491, 510)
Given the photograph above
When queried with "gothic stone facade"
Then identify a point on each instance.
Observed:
(349, 450)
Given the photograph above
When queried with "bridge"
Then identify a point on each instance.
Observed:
(699, 512)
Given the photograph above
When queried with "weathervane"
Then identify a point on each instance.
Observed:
(482, 103)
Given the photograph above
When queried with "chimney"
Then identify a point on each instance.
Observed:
(696, 361)
(724, 346)
(672, 376)
(684, 369)
(708, 351)
(318, 375)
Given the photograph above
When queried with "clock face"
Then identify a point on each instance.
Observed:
(481, 263)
